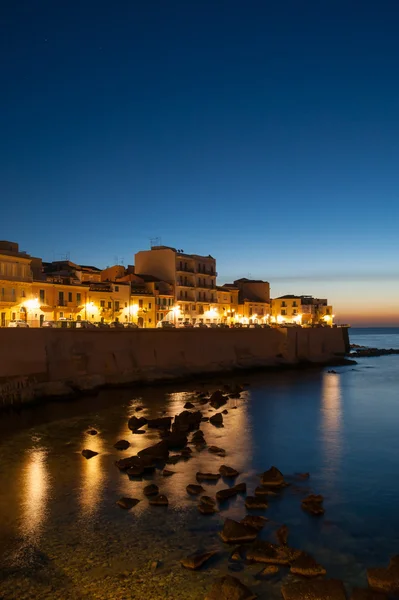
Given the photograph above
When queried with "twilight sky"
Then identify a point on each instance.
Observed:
(263, 133)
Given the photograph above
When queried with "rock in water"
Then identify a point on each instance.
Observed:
(216, 420)
(254, 521)
(127, 503)
(325, 589)
(269, 570)
(307, 566)
(206, 509)
(189, 405)
(89, 453)
(207, 476)
(241, 488)
(160, 500)
(234, 532)
(122, 445)
(251, 502)
(194, 490)
(195, 561)
(229, 588)
(217, 399)
(198, 437)
(135, 423)
(217, 450)
(208, 500)
(385, 579)
(313, 504)
(151, 490)
(264, 552)
(92, 432)
(273, 478)
(159, 423)
(167, 473)
(262, 492)
(222, 495)
(228, 472)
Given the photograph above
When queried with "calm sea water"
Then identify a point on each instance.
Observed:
(62, 536)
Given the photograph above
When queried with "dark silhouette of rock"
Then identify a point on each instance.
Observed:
(135, 423)
(189, 405)
(187, 421)
(216, 450)
(194, 490)
(195, 561)
(138, 408)
(89, 453)
(273, 478)
(234, 532)
(225, 411)
(122, 445)
(307, 566)
(159, 451)
(127, 503)
(367, 594)
(217, 399)
(160, 500)
(228, 472)
(151, 490)
(206, 509)
(254, 521)
(254, 503)
(208, 500)
(229, 588)
(265, 552)
(197, 437)
(207, 476)
(173, 460)
(385, 579)
(167, 473)
(92, 432)
(262, 492)
(186, 452)
(282, 535)
(205, 419)
(222, 495)
(135, 472)
(175, 440)
(269, 571)
(241, 488)
(159, 423)
(313, 504)
(323, 589)
(216, 420)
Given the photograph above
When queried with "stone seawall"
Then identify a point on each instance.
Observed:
(38, 363)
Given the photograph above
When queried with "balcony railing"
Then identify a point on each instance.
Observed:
(184, 270)
(207, 272)
(185, 284)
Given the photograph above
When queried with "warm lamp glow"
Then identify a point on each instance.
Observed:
(31, 304)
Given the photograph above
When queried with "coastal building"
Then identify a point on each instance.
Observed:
(253, 303)
(15, 283)
(227, 306)
(302, 310)
(192, 277)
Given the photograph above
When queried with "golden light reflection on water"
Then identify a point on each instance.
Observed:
(93, 476)
(332, 421)
(36, 487)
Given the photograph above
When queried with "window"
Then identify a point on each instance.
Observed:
(78, 297)
(116, 304)
(61, 315)
(3, 291)
(60, 298)
(149, 306)
(125, 304)
(283, 312)
(327, 311)
(41, 296)
(294, 311)
(250, 312)
(283, 304)
(294, 303)
(109, 304)
(185, 295)
(102, 303)
(13, 293)
(164, 301)
(193, 307)
(181, 293)
(69, 296)
(141, 303)
(117, 288)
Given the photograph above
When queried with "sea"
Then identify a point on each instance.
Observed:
(62, 535)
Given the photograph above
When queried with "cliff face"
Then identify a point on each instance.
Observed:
(45, 362)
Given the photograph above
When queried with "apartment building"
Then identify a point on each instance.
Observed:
(302, 310)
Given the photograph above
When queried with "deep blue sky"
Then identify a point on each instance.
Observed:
(264, 133)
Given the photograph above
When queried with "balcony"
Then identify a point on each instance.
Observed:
(207, 272)
(184, 270)
(185, 284)
(8, 299)
(205, 286)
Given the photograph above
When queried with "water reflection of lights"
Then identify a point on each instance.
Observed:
(92, 475)
(331, 420)
(36, 486)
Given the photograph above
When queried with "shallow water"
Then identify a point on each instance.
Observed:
(62, 536)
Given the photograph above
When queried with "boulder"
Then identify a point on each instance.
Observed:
(282, 535)
(228, 472)
(229, 588)
(89, 453)
(200, 447)
(222, 495)
(159, 451)
(187, 421)
(197, 437)
(208, 500)
(367, 594)
(173, 460)
(307, 566)
(127, 503)
(159, 423)
(216, 420)
(217, 399)
(265, 552)
(189, 405)
(194, 490)
(122, 445)
(135, 472)
(313, 504)
(167, 473)
(207, 476)
(385, 579)
(195, 561)
(92, 432)
(175, 440)
(234, 532)
(254, 521)
(151, 490)
(273, 478)
(160, 500)
(262, 492)
(216, 450)
(322, 589)
(186, 452)
(205, 419)
(206, 509)
(241, 488)
(225, 411)
(135, 423)
(253, 503)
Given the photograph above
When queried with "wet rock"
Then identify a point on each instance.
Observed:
(135, 472)
(205, 419)
(194, 490)
(143, 463)
(241, 488)
(206, 509)
(262, 492)
(228, 472)
(273, 478)
(324, 589)
(225, 411)
(167, 473)
(269, 570)
(282, 535)
(251, 502)
(217, 420)
(302, 476)
(139, 408)
(222, 495)
(200, 447)
(173, 460)
(189, 405)
(127, 503)
(217, 399)
(254, 521)
(313, 504)
(229, 588)
(89, 453)
(159, 423)
(187, 421)
(158, 451)
(175, 440)
(238, 554)
(385, 579)
(216, 450)
(367, 594)
(122, 445)
(195, 561)
(135, 423)
(186, 452)
(307, 566)
(139, 431)
(197, 437)
(234, 532)
(208, 500)
(160, 500)
(92, 432)
(207, 476)
(264, 552)
(151, 490)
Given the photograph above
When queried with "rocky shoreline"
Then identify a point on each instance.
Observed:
(366, 352)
